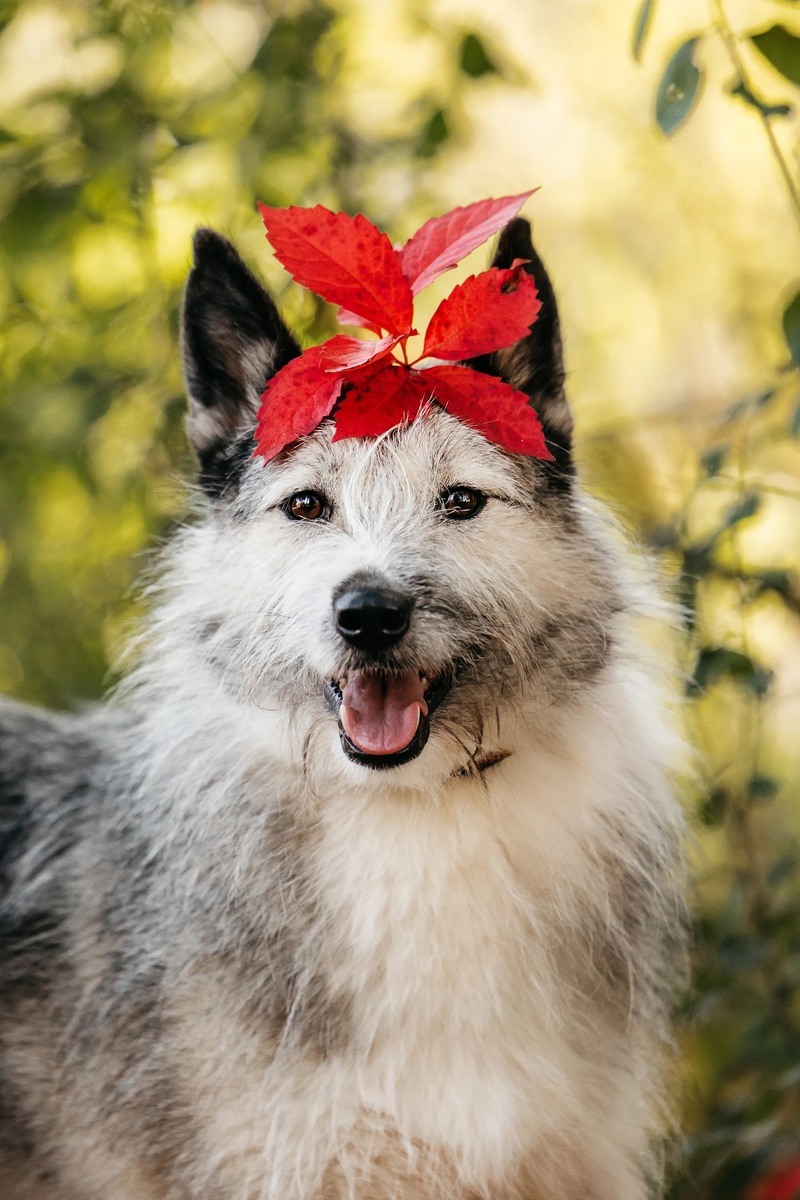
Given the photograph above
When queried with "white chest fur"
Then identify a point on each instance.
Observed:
(448, 920)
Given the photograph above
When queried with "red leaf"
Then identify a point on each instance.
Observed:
(390, 396)
(498, 411)
(443, 241)
(344, 259)
(342, 353)
(486, 312)
(782, 1184)
(294, 402)
(350, 318)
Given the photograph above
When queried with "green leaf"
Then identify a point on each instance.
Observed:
(718, 662)
(760, 681)
(762, 787)
(741, 90)
(713, 460)
(775, 580)
(474, 59)
(642, 27)
(740, 407)
(791, 328)
(736, 410)
(697, 558)
(748, 506)
(435, 131)
(781, 49)
(678, 90)
(712, 810)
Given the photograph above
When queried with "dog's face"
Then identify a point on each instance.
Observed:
(403, 599)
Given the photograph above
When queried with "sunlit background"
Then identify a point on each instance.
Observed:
(670, 227)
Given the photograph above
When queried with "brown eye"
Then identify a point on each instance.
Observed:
(307, 506)
(461, 503)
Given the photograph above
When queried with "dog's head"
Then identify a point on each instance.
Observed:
(403, 600)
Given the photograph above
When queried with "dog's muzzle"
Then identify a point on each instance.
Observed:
(383, 708)
(384, 716)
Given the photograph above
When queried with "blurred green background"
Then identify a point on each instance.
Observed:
(664, 138)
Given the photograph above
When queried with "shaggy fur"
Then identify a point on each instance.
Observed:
(237, 965)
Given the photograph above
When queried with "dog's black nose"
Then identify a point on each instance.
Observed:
(372, 618)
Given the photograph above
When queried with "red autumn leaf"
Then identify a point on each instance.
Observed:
(350, 318)
(352, 264)
(494, 408)
(344, 259)
(442, 242)
(388, 397)
(342, 353)
(781, 1184)
(486, 312)
(295, 401)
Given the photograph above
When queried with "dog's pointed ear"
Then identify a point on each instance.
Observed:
(234, 341)
(535, 364)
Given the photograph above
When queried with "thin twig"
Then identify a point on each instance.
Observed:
(772, 489)
(729, 38)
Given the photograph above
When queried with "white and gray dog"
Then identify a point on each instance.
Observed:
(367, 883)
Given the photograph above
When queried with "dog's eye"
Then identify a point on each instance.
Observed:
(460, 503)
(307, 506)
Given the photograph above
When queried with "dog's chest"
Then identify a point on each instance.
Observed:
(441, 946)
(440, 950)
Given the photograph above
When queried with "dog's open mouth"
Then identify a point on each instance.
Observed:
(384, 716)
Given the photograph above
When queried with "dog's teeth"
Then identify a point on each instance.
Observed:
(342, 684)
(423, 680)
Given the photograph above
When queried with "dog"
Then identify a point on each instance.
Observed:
(367, 882)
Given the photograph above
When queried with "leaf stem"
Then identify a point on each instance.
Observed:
(729, 39)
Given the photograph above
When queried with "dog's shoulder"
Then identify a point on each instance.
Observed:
(41, 750)
(48, 762)
(49, 765)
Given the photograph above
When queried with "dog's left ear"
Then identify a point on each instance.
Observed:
(535, 364)
(234, 341)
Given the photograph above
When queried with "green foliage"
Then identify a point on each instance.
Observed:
(642, 27)
(435, 132)
(474, 59)
(746, 506)
(717, 662)
(780, 48)
(679, 88)
(713, 460)
(743, 1015)
(152, 119)
(741, 90)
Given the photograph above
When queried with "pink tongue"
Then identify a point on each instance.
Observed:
(380, 713)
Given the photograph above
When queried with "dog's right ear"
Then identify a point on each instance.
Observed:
(234, 341)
